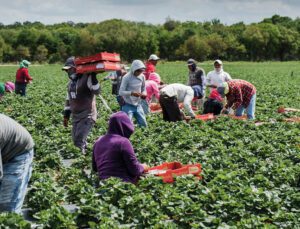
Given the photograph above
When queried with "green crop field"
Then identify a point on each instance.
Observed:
(251, 174)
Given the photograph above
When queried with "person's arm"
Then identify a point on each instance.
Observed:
(122, 90)
(26, 75)
(156, 91)
(1, 166)
(67, 111)
(143, 89)
(187, 102)
(93, 84)
(134, 167)
(227, 77)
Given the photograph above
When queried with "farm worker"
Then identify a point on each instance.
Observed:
(16, 155)
(113, 154)
(173, 94)
(214, 103)
(152, 88)
(22, 78)
(240, 95)
(151, 65)
(80, 103)
(196, 77)
(6, 87)
(116, 78)
(218, 76)
(133, 90)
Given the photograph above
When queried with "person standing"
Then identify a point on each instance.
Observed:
(80, 103)
(196, 77)
(16, 155)
(133, 90)
(240, 95)
(173, 94)
(22, 78)
(113, 154)
(151, 65)
(218, 76)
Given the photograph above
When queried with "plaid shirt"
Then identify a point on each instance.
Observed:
(240, 93)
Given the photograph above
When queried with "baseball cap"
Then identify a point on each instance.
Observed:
(218, 61)
(70, 63)
(153, 57)
(191, 61)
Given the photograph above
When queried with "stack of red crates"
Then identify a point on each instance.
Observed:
(99, 62)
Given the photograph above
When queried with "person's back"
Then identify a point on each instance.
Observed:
(214, 103)
(113, 154)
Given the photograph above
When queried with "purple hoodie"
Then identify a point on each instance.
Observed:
(113, 154)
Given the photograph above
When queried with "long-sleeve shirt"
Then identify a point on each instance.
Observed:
(240, 93)
(149, 69)
(217, 78)
(183, 93)
(131, 83)
(81, 100)
(152, 89)
(22, 76)
(14, 140)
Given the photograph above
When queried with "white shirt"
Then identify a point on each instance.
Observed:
(183, 93)
(217, 78)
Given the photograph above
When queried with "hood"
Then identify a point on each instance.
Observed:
(120, 124)
(155, 77)
(136, 64)
(215, 95)
(24, 64)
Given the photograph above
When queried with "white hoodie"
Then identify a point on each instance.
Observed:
(131, 83)
(217, 78)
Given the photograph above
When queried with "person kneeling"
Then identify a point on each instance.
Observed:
(214, 103)
(113, 154)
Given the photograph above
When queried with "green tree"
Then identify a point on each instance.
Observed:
(41, 54)
(22, 52)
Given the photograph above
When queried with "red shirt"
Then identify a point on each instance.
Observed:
(240, 93)
(22, 76)
(149, 69)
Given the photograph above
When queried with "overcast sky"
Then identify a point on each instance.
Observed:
(150, 11)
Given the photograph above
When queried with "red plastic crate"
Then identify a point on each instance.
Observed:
(169, 170)
(98, 67)
(205, 117)
(102, 56)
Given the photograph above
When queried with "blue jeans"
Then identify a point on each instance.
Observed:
(16, 175)
(145, 106)
(137, 112)
(250, 109)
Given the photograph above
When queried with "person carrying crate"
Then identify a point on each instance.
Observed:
(80, 103)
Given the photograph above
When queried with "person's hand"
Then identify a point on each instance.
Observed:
(66, 122)
(136, 94)
(146, 167)
(143, 96)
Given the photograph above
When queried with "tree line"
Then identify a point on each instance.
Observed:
(275, 38)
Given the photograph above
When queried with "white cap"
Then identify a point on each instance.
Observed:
(218, 61)
(153, 57)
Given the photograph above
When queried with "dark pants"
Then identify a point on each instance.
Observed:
(170, 109)
(20, 88)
